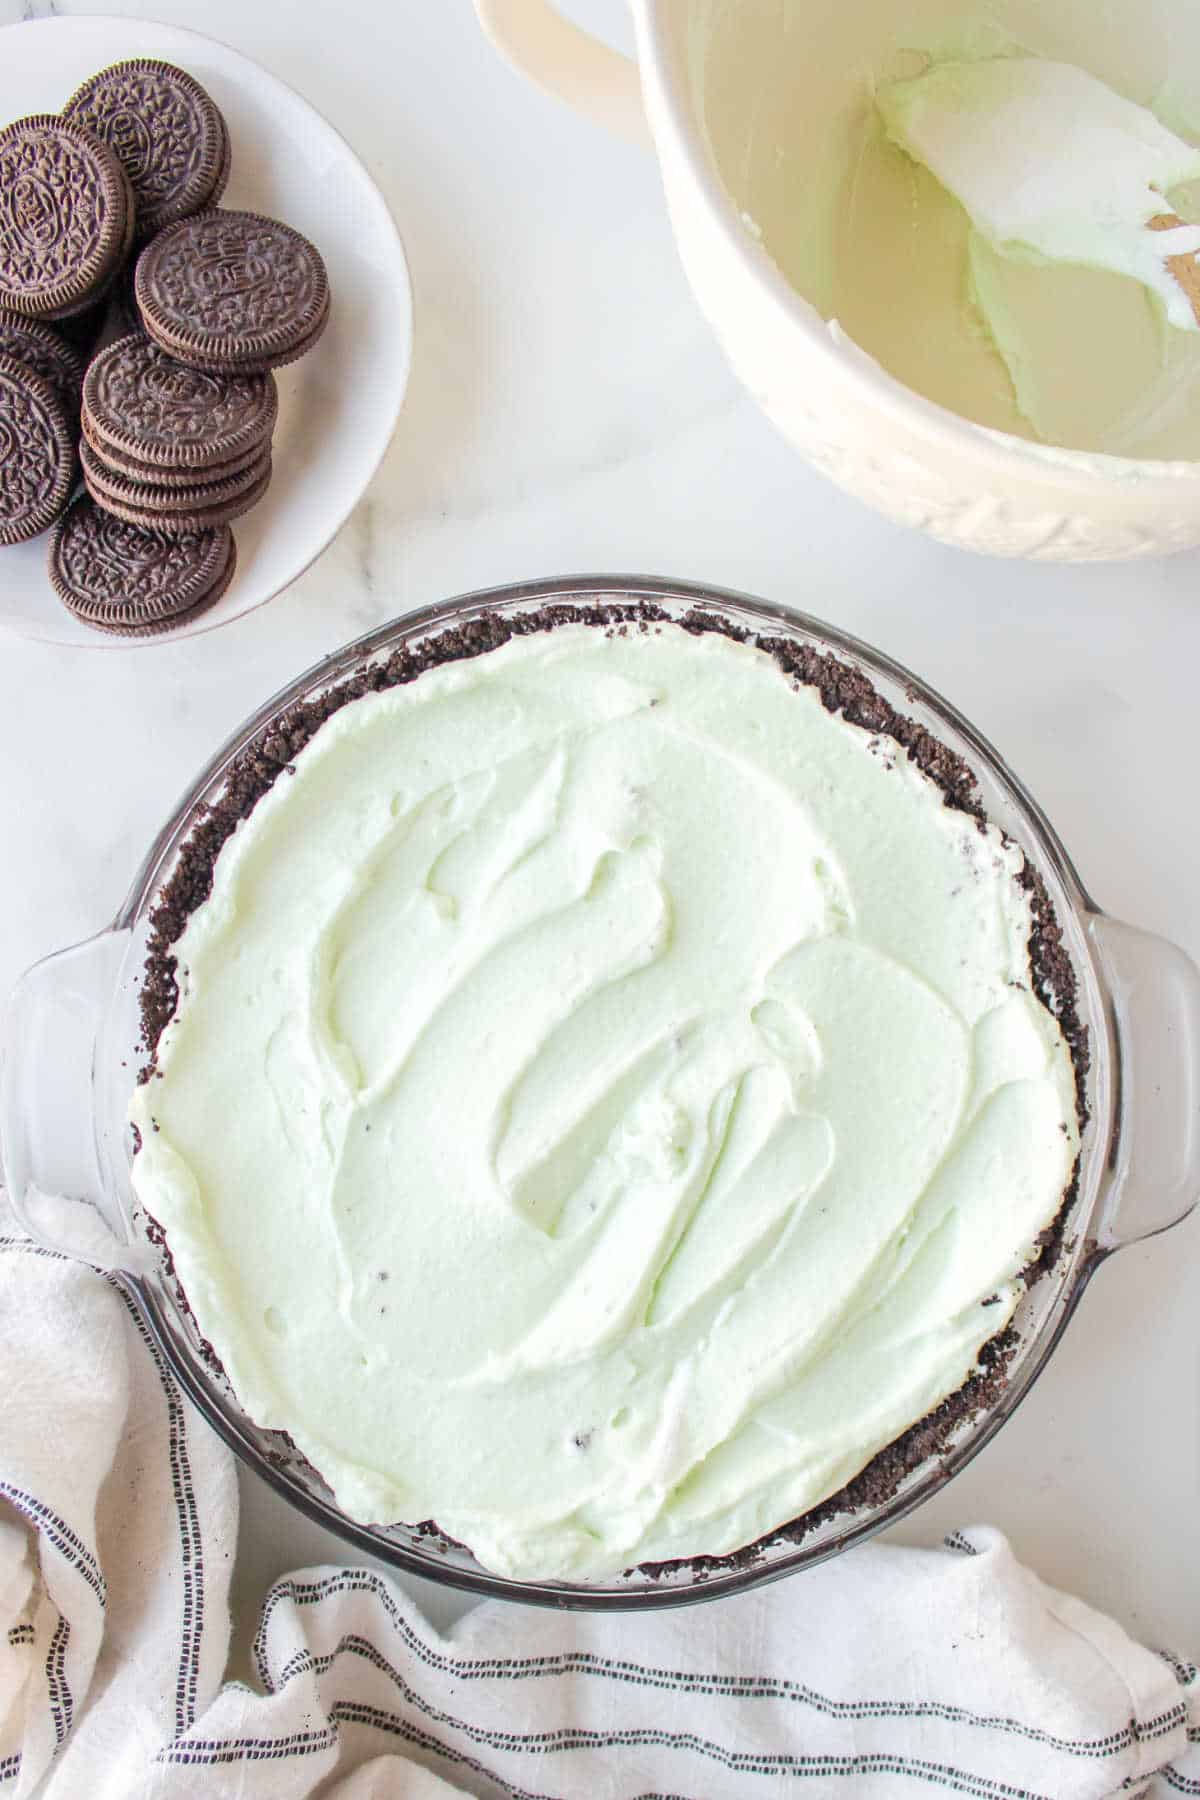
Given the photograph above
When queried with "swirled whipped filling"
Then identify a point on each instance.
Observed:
(607, 1101)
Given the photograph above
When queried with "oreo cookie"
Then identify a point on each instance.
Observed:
(66, 217)
(37, 453)
(153, 475)
(232, 291)
(175, 510)
(40, 348)
(167, 133)
(145, 409)
(110, 487)
(136, 583)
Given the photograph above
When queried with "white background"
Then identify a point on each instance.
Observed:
(568, 412)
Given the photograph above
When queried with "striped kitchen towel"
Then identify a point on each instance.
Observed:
(887, 1673)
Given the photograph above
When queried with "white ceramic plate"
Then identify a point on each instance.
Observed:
(338, 405)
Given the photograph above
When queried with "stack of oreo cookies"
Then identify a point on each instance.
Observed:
(66, 227)
(170, 447)
(115, 201)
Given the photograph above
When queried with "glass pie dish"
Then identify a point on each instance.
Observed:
(71, 1052)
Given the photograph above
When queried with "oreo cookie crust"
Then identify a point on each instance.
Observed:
(133, 582)
(40, 348)
(167, 133)
(229, 291)
(150, 409)
(66, 217)
(37, 453)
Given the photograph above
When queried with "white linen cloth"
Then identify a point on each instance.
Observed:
(888, 1672)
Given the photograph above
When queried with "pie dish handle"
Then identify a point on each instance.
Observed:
(1154, 1157)
(563, 59)
(51, 1154)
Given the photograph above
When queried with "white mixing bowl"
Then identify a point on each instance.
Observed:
(739, 96)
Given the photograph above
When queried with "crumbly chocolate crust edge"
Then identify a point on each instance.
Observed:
(842, 689)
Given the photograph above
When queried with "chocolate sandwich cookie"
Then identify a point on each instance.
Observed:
(66, 217)
(230, 291)
(37, 453)
(40, 348)
(153, 475)
(132, 582)
(148, 409)
(176, 510)
(193, 495)
(166, 131)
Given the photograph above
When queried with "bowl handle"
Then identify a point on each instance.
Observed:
(1155, 1155)
(49, 1149)
(564, 60)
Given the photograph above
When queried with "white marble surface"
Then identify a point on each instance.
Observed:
(569, 412)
